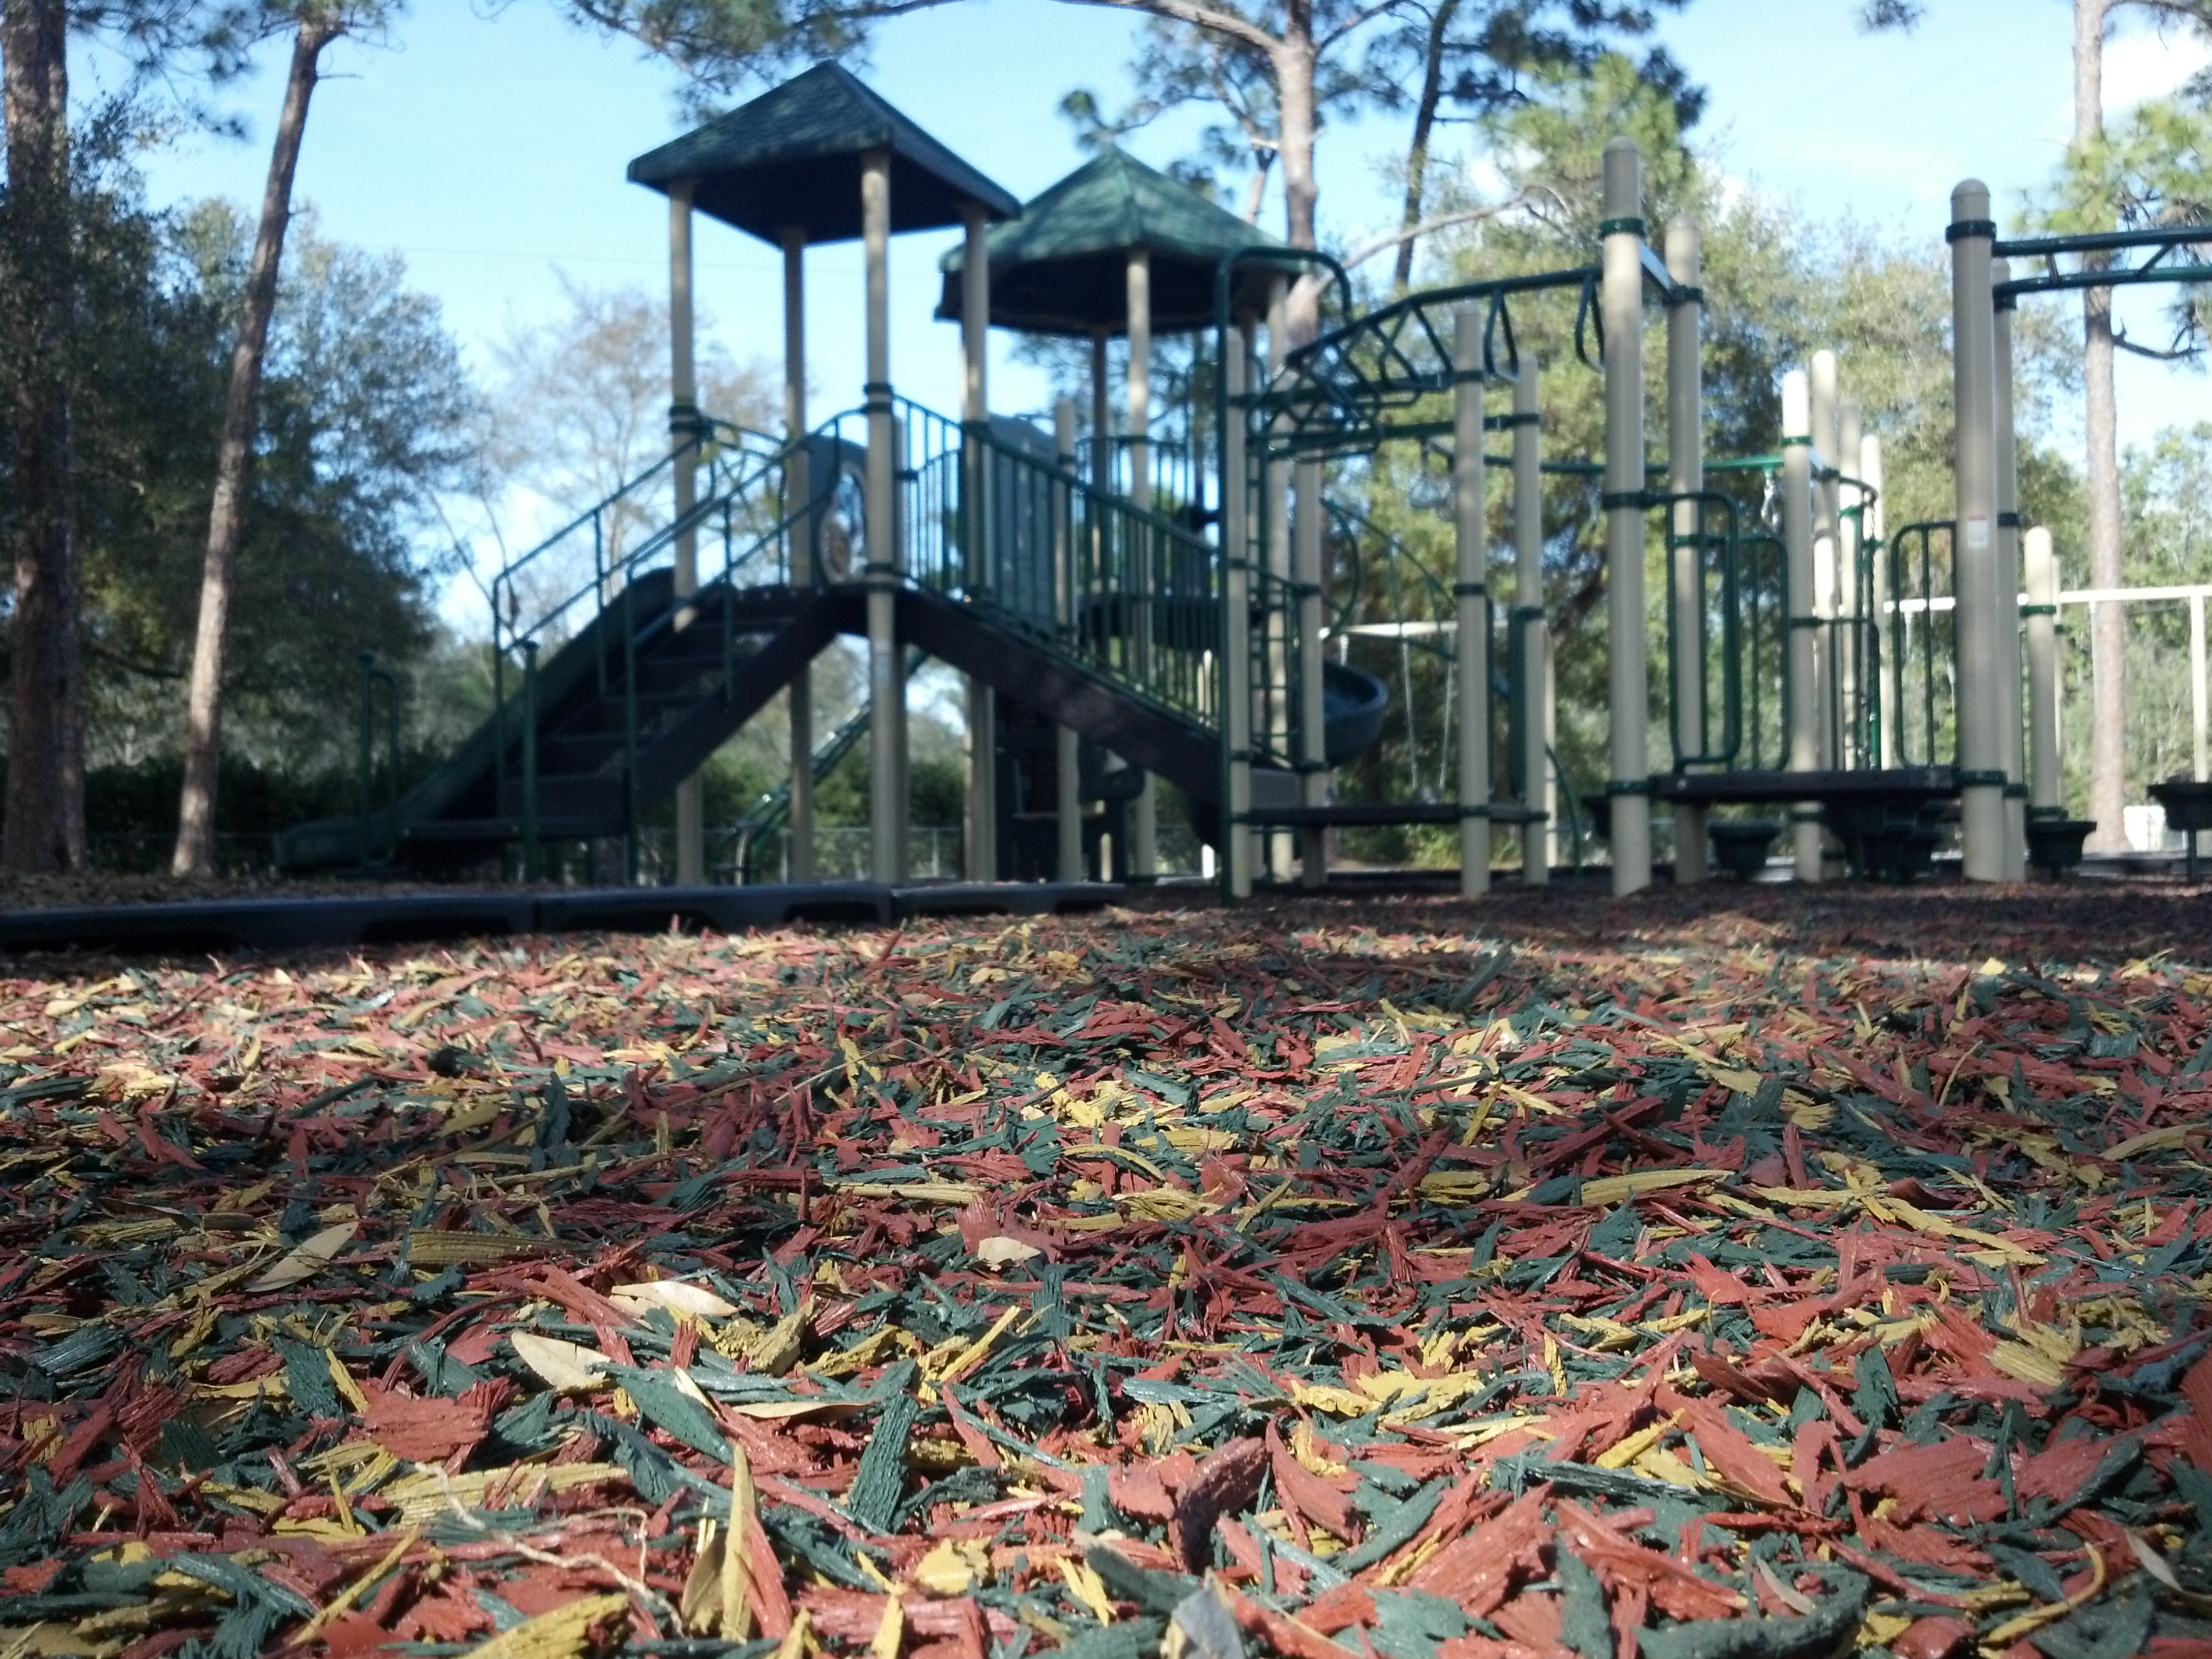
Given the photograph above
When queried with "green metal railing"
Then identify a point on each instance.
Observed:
(1763, 590)
(738, 486)
(1745, 595)
(1924, 642)
(1124, 593)
(1715, 563)
(732, 459)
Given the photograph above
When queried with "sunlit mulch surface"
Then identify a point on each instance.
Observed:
(1743, 1273)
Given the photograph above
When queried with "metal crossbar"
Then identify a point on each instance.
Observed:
(2155, 242)
(1353, 388)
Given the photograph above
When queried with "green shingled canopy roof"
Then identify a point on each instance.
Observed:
(792, 157)
(1062, 267)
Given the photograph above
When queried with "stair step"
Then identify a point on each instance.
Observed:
(578, 756)
(607, 717)
(569, 795)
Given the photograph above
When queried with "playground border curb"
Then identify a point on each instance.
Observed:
(201, 925)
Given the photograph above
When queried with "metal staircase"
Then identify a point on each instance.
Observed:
(1075, 601)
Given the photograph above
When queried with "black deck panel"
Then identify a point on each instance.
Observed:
(1358, 814)
(194, 926)
(1904, 783)
(197, 925)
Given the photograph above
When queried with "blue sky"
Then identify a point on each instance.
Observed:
(486, 144)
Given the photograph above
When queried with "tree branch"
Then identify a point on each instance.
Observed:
(1355, 22)
(1368, 250)
(2174, 354)
(2194, 11)
(1201, 17)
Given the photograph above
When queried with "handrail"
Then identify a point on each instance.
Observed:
(705, 438)
(2155, 241)
(1758, 640)
(1922, 533)
(506, 634)
(1698, 540)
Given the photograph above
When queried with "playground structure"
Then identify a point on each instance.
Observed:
(1166, 606)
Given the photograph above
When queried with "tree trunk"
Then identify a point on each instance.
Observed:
(2108, 635)
(43, 818)
(195, 851)
(1294, 95)
(1417, 153)
(1256, 192)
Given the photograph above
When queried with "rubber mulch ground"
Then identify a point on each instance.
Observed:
(1743, 1273)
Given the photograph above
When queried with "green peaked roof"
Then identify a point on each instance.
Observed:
(792, 157)
(1062, 267)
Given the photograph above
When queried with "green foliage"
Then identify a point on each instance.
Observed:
(365, 412)
(1367, 57)
(722, 46)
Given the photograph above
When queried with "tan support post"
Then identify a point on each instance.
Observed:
(1102, 421)
(1824, 550)
(886, 675)
(1471, 607)
(1538, 838)
(1306, 575)
(1067, 754)
(1627, 650)
(1850, 438)
(2047, 780)
(1874, 527)
(1686, 460)
(1276, 476)
(1236, 837)
(980, 852)
(2006, 594)
(1143, 811)
(1803, 621)
(683, 432)
(1067, 803)
(2200, 716)
(1981, 656)
(798, 492)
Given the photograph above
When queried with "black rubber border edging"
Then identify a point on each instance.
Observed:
(265, 924)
